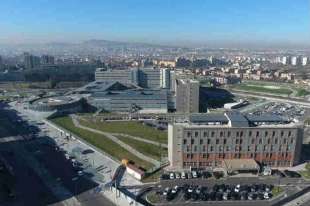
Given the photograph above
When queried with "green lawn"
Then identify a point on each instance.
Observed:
(101, 142)
(276, 191)
(302, 92)
(258, 88)
(145, 148)
(153, 198)
(133, 128)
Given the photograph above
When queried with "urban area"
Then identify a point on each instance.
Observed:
(103, 122)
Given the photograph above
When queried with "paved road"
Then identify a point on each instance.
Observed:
(116, 140)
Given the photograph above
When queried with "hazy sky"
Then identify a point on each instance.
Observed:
(157, 21)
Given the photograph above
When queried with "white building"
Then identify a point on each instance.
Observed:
(294, 60)
(304, 61)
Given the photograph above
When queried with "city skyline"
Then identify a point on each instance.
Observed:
(204, 23)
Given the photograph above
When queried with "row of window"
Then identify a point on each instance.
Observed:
(240, 148)
(240, 141)
(238, 155)
(237, 134)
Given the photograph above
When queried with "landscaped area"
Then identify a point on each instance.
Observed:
(150, 150)
(276, 90)
(133, 128)
(306, 173)
(101, 142)
(276, 191)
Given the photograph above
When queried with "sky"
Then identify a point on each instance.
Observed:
(157, 21)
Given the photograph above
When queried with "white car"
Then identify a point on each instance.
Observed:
(80, 173)
(171, 175)
(237, 188)
(183, 175)
(266, 195)
(177, 176)
(194, 173)
(166, 191)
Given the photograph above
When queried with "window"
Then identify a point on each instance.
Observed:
(224, 141)
(241, 140)
(217, 141)
(221, 134)
(188, 156)
(257, 133)
(189, 134)
(208, 142)
(211, 148)
(227, 148)
(273, 133)
(228, 134)
(184, 141)
(212, 134)
(268, 141)
(205, 134)
(250, 133)
(237, 141)
(253, 141)
(249, 148)
(237, 134)
(280, 147)
(289, 133)
(196, 134)
(192, 141)
(292, 141)
(204, 148)
(284, 140)
(204, 155)
(241, 134)
(221, 148)
(201, 141)
(195, 148)
(282, 133)
(276, 140)
(260, 141)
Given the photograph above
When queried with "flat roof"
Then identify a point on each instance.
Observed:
(239, 164)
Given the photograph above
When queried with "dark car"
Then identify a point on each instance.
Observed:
(87, 151)
(292, 174)
(186, 196)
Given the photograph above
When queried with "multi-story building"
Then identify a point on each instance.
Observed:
(187, 96)
(47, 59)
(304, 61)
(31, 61)
(206, 140)
(145, 77)
(294, 60)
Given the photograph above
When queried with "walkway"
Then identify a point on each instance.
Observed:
(116, 140)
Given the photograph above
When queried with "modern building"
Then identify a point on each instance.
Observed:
(124, 98)
(151, 78)
(31, 61)
(47, 59)
(187, 96)
(284, 60)
(294, 60)
(304, 61)
(204, 140)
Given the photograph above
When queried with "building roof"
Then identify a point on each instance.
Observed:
(208, 118)
(239, 164)
(237, 119)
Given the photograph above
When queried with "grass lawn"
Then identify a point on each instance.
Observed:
(276, 191)
(101, 142)
(302, 92)
(152, 197)
(145, 148)
(305, 174)
(258, 88)
(133, 128)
